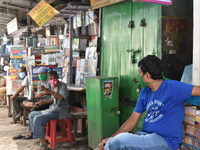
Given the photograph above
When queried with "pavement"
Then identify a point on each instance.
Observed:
(8, 131)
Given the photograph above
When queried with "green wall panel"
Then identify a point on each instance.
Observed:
(117, 38)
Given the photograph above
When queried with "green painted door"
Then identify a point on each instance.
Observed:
(117, 38)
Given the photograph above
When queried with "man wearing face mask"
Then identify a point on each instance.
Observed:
(21, 95)
(57, 110)
(40, 95)
(163, 101)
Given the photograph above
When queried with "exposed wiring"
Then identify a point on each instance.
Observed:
(129, 89)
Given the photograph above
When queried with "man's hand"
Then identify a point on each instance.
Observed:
(39, 103)
(28, 104)
(12, 97)
(42, 88)
(39, 95)
(103, 143)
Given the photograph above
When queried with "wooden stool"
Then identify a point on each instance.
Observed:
(23, 118)
(75, 117)
(66, 131)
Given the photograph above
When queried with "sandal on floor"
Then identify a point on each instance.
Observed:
(37, 142)
(18, 137)
(28, 137)
(44, 147)
(15, 122)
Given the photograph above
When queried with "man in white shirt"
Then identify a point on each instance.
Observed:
(22, 94)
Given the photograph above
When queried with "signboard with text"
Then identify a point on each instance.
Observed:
(95, 4)
(12, 26)
(161, 2)
(42, 13)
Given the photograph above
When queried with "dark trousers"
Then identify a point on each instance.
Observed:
(17, 106)
(42, 107)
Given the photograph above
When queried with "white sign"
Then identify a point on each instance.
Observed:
(12, 26)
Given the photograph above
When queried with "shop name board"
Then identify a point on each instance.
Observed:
(95, 4)
(161, 2)
(12, 26)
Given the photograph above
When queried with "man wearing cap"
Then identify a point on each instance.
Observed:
(40, 95)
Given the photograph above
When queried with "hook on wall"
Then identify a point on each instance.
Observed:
(131, 24)
(133, 55)
(143, 23)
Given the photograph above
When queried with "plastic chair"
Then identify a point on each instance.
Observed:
(66, 132)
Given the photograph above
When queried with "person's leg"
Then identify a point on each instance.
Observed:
(14, 113)
(138, 141)
(2, 95)
(17, 104)
(31, 118)
(40, 121)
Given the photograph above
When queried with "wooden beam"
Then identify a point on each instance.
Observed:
(17, 5)
(50, 1)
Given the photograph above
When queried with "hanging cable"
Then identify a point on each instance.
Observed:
(134, 81)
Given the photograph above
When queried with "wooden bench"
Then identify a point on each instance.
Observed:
(75, 117)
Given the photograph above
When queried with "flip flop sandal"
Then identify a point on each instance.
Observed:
(15, 122)
(27, 137)
(37, 142)
(18, 137)
(44, 147)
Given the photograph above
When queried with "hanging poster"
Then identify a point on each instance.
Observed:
(42, 13)
(176, 34)
(108, 88)
(162, 2)
(78, 20)
(87, 19)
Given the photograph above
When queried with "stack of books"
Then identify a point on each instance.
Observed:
(51, 49)
(192, 136)
(190, 114)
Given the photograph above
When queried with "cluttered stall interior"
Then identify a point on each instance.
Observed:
(62, 36)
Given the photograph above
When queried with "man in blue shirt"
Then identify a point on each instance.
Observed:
(163, 100)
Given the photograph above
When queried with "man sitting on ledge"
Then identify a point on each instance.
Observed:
(163, 100)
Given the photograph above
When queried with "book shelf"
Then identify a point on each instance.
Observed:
(190, 146)
(84, 33)
(193, 125)
(194, 140)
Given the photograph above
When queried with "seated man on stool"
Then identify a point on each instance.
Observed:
(40, 95)
(21, 95)
(57, 110)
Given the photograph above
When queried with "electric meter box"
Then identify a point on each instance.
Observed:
(102, 98)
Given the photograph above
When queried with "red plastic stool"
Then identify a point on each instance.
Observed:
(66, 132)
